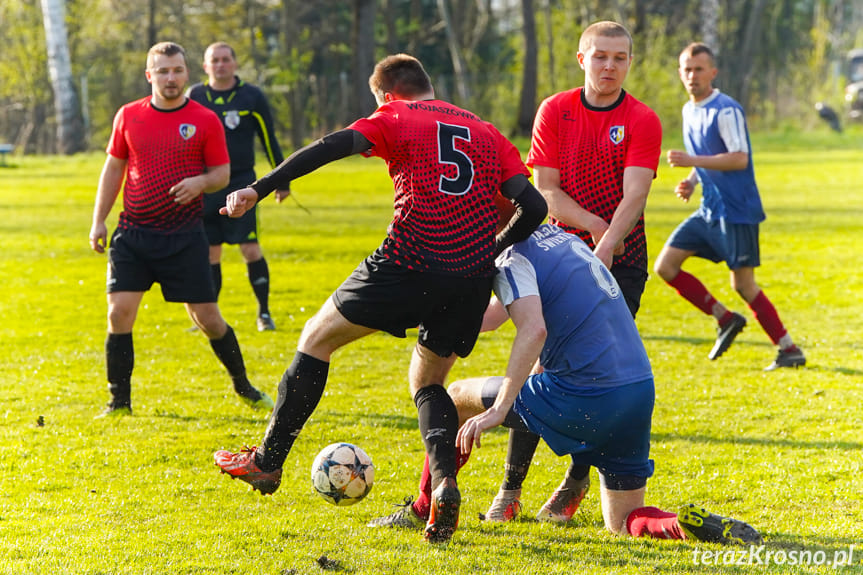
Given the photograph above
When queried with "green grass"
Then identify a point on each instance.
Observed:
(141, 495)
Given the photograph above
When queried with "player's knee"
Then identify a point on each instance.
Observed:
(466, 394)
(210, 321)
(664, 270)
(747, 289)
(457, 392)
(314, 333)
(120, 319)
(251, 252)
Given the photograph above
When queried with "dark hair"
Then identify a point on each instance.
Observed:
(165, 49)
(400, 74)
(697, 48)
(608, 29)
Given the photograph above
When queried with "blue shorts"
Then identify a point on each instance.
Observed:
(606, 428)
(718, 241)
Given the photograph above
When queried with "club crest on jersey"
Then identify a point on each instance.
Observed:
(232, 119)
(187, 131)
(615, 134)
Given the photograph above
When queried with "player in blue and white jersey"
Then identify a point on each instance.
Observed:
(591, 395)
(725, 226)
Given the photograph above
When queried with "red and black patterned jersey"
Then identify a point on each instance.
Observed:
(163, 147)
(447, 165)
(592, 147)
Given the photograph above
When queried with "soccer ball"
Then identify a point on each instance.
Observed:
(342, 474)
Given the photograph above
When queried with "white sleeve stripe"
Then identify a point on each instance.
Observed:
(517, 279)
(732, 130)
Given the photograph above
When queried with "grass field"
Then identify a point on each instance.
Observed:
(140, 495)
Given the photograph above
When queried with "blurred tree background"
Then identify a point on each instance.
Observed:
(497, 57)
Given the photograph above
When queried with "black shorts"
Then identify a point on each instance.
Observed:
(178, 261)
(631, 281)
(224, 230)
(387, 297)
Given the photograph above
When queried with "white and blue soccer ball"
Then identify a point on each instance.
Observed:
(342, 474)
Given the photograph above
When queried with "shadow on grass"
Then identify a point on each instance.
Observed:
(738, 343)
(804, 211)
(700, 340)
(830, 545)
(389, 420)
(773, 442)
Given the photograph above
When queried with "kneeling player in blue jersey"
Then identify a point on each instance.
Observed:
(592, 399)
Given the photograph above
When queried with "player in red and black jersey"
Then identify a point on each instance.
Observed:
(433, 270)
(170, 151)
(594, 153)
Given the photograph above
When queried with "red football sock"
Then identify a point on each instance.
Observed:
(688, 286)
(422, 504)
(655, 523)
(767, 316)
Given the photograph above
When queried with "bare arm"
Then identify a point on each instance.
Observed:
(724, 162)
(110, 181)
(495, 315)
(563, 207)
(636, 186)
(213, 180)
(526, 314)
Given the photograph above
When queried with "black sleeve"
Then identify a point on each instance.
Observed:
(328, 149)
(530, 211)
(266, 131)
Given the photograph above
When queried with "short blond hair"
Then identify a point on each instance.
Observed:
(606, 28)
(165, 49)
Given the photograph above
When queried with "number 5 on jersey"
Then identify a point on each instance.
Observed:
(449, 154)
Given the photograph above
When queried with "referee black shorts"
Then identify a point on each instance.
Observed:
(222, 229)
(178, 261)
(384, 296)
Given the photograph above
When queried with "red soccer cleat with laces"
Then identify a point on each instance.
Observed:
(243, 466)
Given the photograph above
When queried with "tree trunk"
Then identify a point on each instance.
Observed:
(747, 52)
(527, 99)
(390, 25)
(363, 55)
(708, 12)
(458, 63)
(70, 124)
(152, 31)
(295, 89)
(549, 45)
